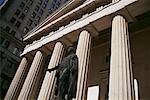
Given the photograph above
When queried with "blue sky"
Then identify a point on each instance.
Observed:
(1, 2)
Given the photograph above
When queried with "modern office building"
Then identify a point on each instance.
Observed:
(16, 19)
(111, 38)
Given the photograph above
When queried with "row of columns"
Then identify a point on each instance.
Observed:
(121, 79)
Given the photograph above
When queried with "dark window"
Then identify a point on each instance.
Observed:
(50, 11)
(56, 7)
(47, 15)
(40, 2)
(44, 5)
(22, 16)
(13, 32)
(35, 24)
(33, 15)
(54, 0)
(46, 1)
(17, 12)
(37, 8)
(53, 5)
(12, 20)
(58, 3)
(1, 40)
(30, 2)
(26, 30)
(6, 44)
(37, 18)
(26, 9)
(41, 12)
(18, 24)
(9, 64)
(30, 22)
(16, 51)
(22, 5)
(7, 28)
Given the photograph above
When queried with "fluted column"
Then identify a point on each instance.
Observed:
(18, 80)
(49, 80)
(28, 90)
(83, 53)
(121, 81)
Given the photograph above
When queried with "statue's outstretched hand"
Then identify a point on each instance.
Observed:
(52, 69)
(49, 70)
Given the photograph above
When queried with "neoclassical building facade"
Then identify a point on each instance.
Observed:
(111, 38)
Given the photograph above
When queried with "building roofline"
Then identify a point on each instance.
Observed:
(56, 14)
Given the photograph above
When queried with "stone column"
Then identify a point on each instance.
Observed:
(83, 53)
(18, 80)
(29, 88)
(48, 85)
(121, 81)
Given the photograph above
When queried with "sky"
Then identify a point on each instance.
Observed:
(1, 2)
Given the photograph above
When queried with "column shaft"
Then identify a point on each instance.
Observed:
(83, 53)
(121, 81)
(49, 80)
(29, 88)
(18, 80)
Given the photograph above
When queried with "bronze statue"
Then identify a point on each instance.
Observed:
(67, 74)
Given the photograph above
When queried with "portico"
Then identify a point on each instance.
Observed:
(102, 43)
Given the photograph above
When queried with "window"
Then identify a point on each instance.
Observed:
(30, 3)
(30, 22)
(17, 12)
(33, 15)
(44, 5)
(37, 8)
(54, 0)
(40, 2)
(26, 30)
(26, 9)
(18, 24)
(22, 5)
(58, 3)
(7, 28)
(6, 44)
(1, 40)
(13, 32)
(53, 5)
(16, 51)
(46, 1)
(35, 24)
(37, 18)
(50, 11)
(9, 64)
(41, 12)
(5, 85)
(12, 20)
(56, 7)
(22, 16)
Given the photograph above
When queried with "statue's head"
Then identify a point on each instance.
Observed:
(70, 50)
